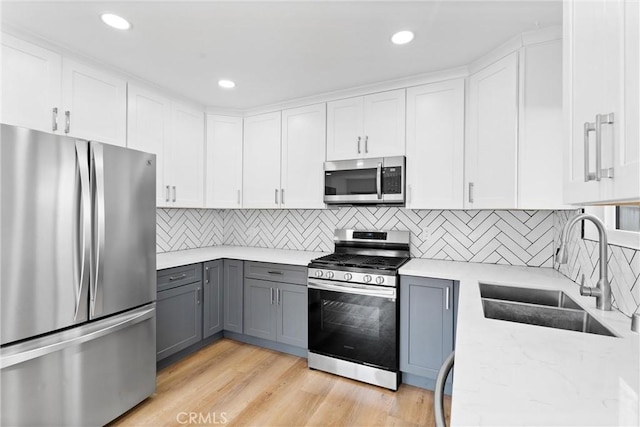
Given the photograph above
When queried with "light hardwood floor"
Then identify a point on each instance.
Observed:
(236, 384)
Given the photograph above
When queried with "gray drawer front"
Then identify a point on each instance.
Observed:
(177, 276)
(283, 273)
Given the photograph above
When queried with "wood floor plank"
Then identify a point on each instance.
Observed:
(236, 384)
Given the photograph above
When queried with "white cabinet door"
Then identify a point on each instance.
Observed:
(94, 104)
(223, 162)
(344, 129)
(384, 124)
(185, 157)
(303, 147)
(601, 77)
(261, 161)
(31, 86)
(435, 145)
(490, 150)
(540, 162)
(148, 128)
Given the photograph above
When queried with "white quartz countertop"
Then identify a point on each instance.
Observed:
(191, 256)
(509, 373)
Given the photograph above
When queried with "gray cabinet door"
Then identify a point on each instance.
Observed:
(212, 295)
(426, 324)
(259, 309)
(233, 295)
(292, 314)
(179, 319)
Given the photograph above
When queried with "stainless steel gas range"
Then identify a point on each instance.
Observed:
(354, 306)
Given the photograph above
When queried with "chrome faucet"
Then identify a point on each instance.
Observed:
(602, 291)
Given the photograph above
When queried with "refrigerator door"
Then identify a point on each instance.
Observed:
(84, 376)
(45, 232)
(124, 229)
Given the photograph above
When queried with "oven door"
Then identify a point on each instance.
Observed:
(358, 323)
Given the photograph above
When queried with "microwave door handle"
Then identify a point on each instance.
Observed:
(379, 180)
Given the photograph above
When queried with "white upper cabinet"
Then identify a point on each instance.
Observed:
(491, 144)
(94, 104)
(43, 91)
(303, 152)
(367, 126)
(148, 130)
(435, 145)
(223, 171)
(175, 134)
(602, 153)
(261, 161)
(540, 142)
(185, 156)
(31, 86)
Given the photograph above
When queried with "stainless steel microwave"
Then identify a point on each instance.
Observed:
(377, 181)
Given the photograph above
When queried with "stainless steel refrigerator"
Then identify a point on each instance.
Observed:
(78, 273)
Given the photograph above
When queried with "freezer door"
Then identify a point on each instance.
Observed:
(124, 229)
(84, 376)
(44, 234)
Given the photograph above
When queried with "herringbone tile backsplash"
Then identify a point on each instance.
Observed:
(496, 237)
(623, 265)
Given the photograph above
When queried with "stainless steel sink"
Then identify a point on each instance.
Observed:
(546, 297)
(540, 307)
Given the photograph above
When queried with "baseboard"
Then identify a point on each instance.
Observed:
(170, 360)
(272, 345)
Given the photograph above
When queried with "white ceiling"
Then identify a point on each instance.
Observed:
(277, 51)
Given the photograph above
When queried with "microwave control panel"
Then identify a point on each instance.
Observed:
(392, 180)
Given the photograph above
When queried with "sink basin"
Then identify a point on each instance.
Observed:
(540, 315)
(546, 297)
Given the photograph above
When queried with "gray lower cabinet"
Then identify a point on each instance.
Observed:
(427, 316)
(276, 309)
(233, 291)
(212, 315)
(178, 319)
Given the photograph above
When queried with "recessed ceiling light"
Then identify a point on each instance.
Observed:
(227, 84)
(402, 37)
(115, 21)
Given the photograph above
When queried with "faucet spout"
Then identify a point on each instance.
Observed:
(602, 291)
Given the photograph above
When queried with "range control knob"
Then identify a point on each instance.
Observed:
(318, 273)
(347, 276)
(379, 280)
(330, 274)
(366, 278)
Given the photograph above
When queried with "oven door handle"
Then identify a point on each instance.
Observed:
(370, 291)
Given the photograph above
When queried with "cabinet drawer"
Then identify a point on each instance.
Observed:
(177, 276)
(284, 273)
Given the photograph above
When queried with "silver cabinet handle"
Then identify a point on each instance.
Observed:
(602, 119)
(366, 143)
(359, 145)
(166, 199)
(471, 192)
(67, 121)
(271, 293)
(175, 193)
(198, 296)
(588, 127)
(54, 119)
(282, 196)
(181, 276)
(379, 180)
(208, 279)
(238, 196)
(447, 298)
(276, 197)
(275, 272)
(277, 296)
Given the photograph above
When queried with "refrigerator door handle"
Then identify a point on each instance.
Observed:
(97, 166)
(82, 162)
(33, 353)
